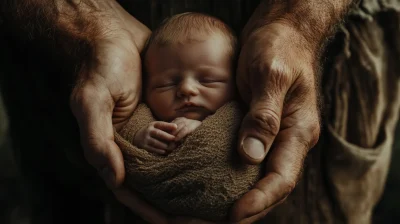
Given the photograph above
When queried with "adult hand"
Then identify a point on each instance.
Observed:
(277, 76)
(108, 86)
(107, 92)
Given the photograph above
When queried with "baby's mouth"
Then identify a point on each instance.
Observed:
(190, 108)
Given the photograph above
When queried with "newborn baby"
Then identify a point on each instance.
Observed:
(180, 146)
(189, 67)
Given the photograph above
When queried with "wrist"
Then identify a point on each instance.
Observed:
(98, 20)
(314, 20)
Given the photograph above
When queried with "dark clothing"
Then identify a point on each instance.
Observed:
(344, 174)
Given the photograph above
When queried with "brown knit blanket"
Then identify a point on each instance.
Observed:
(201, 178)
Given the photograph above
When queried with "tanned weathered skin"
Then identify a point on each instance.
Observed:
(78, 28)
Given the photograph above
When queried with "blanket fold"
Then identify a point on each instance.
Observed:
(202, 178)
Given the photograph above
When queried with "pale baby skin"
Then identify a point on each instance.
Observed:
(186, 80)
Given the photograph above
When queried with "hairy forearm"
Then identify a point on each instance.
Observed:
(44, 18)
(64, 28)
(71, 28)
(314, 19)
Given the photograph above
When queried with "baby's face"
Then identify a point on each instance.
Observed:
(189, 80)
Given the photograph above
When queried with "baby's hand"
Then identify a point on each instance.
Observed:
(185, 127)
(156, 137)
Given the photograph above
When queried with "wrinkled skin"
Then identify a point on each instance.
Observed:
(276, 76)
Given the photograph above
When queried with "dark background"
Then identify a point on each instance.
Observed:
(21, 201)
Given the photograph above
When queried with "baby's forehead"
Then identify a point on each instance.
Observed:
(190, 38)
(212, 49)
(198, 44)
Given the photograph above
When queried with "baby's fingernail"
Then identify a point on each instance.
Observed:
(254, 148)
(108, 176)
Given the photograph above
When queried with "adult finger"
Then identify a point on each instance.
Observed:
(283, 169)
(92, 106)
(262, 123)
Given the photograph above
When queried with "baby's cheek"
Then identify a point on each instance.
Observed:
(219, 97)
(159, 105)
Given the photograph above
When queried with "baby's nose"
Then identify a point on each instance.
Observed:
(188, 87)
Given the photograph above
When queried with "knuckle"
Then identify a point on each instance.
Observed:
(315, 133)
(310, 136)
(152, 131)
(268, 120)
(82, 93)
(304, 142)
(157, 132)
(274, 69)
(154, 123)
(147, 139)
(94, 149)
(290, 185)
(78, 98)
(287, 184)
(83, 96)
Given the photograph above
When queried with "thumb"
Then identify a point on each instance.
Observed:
(259, 128)
(92, 107)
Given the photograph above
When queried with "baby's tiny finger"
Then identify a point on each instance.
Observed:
(181, 124)
(165, 126)
(158, 144)
(161, 135)
(181, 134)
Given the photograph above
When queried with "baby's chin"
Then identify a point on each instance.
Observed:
(195, 115)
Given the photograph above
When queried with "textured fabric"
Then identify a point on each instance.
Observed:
(345, 173)
(202, 177)
(346, 170)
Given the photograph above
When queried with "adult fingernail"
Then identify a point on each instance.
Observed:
(253, 147)
(108, 176)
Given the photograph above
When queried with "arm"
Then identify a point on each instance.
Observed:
(105, 42)
(277, 70)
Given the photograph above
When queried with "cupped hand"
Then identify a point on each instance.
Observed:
(106, 94)
(277, 76)
(107, 91)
